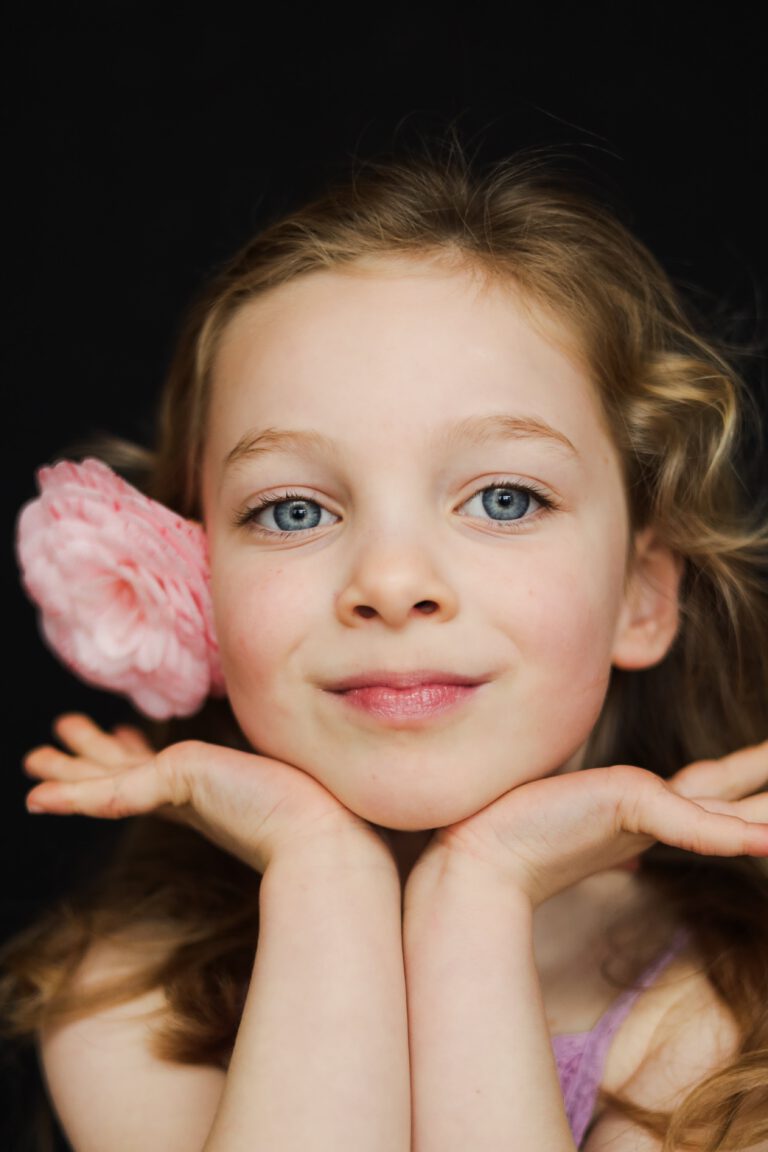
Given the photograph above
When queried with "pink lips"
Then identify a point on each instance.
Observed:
(382, 678)
(406, 698)
(408, 704)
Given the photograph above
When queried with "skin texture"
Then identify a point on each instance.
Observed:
(406, 566)
(409, 569)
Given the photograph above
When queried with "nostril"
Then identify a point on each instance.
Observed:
(425, 606)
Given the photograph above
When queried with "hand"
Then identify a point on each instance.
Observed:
(251, 806)
(548, 834)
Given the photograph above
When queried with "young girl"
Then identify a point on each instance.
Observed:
(477, 577)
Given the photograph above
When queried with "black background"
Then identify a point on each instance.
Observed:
(144, 145)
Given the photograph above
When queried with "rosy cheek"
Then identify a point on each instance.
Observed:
(259, 617)
(564, 623)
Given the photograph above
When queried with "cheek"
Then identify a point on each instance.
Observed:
(561, 619)
(261, 620)
(257, 618)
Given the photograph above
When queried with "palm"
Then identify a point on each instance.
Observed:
(550, 833)
(250, 805)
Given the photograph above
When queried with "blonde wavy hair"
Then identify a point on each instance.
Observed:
(677, 410)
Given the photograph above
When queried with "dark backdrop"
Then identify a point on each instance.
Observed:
(145, 144)
(143, 150)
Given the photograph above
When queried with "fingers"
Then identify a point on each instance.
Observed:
(754, 809)
(81, 735)
(739, 774)
(92, 751)
(133, 740)
(146, 788)
(49, 763)
(97, 755)
(698, 826)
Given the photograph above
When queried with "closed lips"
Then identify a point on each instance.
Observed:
(385, 679)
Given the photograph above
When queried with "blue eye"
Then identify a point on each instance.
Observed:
(509, 502)
(506, 503)
(293, 513)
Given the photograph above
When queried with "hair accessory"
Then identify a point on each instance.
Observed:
(123, 588)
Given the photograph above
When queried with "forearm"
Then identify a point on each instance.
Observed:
(483, 1074)
(321, 1058)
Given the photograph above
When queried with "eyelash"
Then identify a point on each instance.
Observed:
(248, 515)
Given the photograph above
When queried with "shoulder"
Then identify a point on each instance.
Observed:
(678, 1034)
(99, 1068)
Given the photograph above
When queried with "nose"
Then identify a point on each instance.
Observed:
(395, 579)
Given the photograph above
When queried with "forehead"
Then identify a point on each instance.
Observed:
(396, 348)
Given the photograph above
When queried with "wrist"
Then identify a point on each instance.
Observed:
(349, 851)
(444, 875)
(346, 887)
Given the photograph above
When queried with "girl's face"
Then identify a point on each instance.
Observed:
(417, 392)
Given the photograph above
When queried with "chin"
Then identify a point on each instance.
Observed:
(418, 813)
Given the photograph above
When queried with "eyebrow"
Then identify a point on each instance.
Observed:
(476, 430)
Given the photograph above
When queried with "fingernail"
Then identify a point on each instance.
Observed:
(32, 807)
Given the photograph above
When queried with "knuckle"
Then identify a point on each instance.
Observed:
(625, 775)
(635, 789)
(178, 766)
(115, 806)
(622, 780)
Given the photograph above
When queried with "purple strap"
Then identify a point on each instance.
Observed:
(581, 1056)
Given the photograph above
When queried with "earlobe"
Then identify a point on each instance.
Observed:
(650, 614)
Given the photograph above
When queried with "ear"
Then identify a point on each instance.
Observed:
(650, 614)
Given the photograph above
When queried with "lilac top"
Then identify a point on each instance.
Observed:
(581, 1056)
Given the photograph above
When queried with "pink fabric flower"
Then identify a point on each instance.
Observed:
(123, 587)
